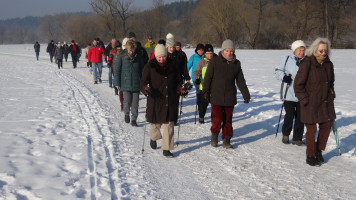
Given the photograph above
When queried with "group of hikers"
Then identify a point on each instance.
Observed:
(161, 72)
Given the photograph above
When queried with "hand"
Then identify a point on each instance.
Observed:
(287, 79)
(247, 101)
(106, 60)
(206, 96)
(148, 90)
(197, 81)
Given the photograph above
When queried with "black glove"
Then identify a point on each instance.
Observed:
(148, 90)
(197, 81)
(206, 96)
(287, 79)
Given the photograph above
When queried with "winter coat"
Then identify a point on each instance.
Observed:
(95, 54)
(128, 71)
(314, 87)
(183, 54)
(180, 64)
(37, 47)
(149, 47)
(200, 71)
(164, 82)
(141, 52)
(50, 48)
(107, 50)
(286, 68)
(73, 52)
(58, 53)
(220, 79)
(66, 49)
(192, 63)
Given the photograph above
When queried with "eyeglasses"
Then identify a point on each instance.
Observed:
(323, 51)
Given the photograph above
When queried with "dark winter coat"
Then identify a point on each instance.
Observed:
(128, 71)
(180, 64)
(50, 48)
(314, 87)
(66, 49)
(37, 47)
(58, 53)
(107, 50)
(164, 82)
(142, 52)
(221, 79)
(73, 52)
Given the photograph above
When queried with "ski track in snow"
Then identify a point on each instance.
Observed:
(71, 133)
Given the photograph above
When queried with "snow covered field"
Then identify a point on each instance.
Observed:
(62, 137)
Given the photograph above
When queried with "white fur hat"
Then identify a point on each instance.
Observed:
(124, 41)
(160, 50)
(296, 44)
(170, 40)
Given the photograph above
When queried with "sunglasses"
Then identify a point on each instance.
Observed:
(323, 51)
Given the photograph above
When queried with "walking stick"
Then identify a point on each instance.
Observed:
(144, 137)
(180, 114)
(196, 108)
(334, 127)
(280, 115)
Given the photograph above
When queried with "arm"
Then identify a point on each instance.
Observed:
(190, 63)
(209, 74)
(145, 79)
(300, 82)
(198, 69)
(241, 84)
(279, 71)
(117, 70)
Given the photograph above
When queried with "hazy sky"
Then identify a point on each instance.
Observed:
(23, 8)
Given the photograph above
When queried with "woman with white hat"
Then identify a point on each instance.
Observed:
(286, 72)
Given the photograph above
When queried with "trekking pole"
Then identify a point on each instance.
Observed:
(196, 109)
(180, 114)
(144, 137)
(334, 127)
(280, 115)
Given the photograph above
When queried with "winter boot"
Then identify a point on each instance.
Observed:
(214, 139)
(153, 144)
(312, 161)
(285, 139)
(116, 91)
(95, 82)
(127, 118)
(201, 120)
(133, 123)
(100, 80)
(319, 156)
(167, 153)
(297, 142)
(226, 143)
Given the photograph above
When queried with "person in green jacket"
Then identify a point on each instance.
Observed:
(150, 45)
(199, 74)
(128, 67)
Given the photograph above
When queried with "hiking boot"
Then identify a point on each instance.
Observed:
(201, 120)
(297, 142)
(100, 80)
(312, 161)
(95, 82)
(319, 156)
(167, 153)
(153, 144)
(127, 118)
(214, 139)
(285, 139)
(226, 143)
(133, 123)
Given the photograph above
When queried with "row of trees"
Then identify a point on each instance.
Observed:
(251, 23)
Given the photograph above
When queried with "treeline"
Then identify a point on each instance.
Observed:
(262, 24)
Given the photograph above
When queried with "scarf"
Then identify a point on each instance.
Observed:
(74, 48)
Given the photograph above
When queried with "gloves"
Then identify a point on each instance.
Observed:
(148, 90)
(106, 60)
(247, 101)
(197, 81)
(206, 96)
(287, 79)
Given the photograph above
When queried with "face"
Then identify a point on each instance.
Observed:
(177, 48)
(209, 55)
(130, 52)
(299, 52)
(149, 40)
(228, 53)
(94, 42)
(170, 49)
(200, 52)
(113, 43)
(322, 50)
(161, 59)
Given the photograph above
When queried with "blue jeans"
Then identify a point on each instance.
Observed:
(37, 54)
(97, 67)
(111, 74)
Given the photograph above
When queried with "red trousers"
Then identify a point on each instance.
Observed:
(121, 96)
(320, 144)
(221, 118)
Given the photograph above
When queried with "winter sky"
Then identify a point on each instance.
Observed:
(22, 8)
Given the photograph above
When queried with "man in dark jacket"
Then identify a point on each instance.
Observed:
(219, 88)
(73, 49)
(139, 49)
(37, 47)
(50, 50)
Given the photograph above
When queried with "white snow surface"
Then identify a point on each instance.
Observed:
(62, 137)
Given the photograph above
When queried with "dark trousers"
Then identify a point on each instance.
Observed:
(66, 56)
(51, 57)
(74, 60)
(60, 63)
(203, 106)
(37, 54)
(293, 114)
(320, 144)
(221, 114)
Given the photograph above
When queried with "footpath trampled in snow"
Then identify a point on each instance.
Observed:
(62, 137)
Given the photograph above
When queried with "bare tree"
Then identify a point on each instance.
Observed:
(47, 28)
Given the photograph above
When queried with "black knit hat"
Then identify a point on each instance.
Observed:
(118, 44)
(131, 35)
(178, 44)
(161, 41)
(208, 48)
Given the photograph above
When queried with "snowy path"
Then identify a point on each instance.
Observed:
(62, 137)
